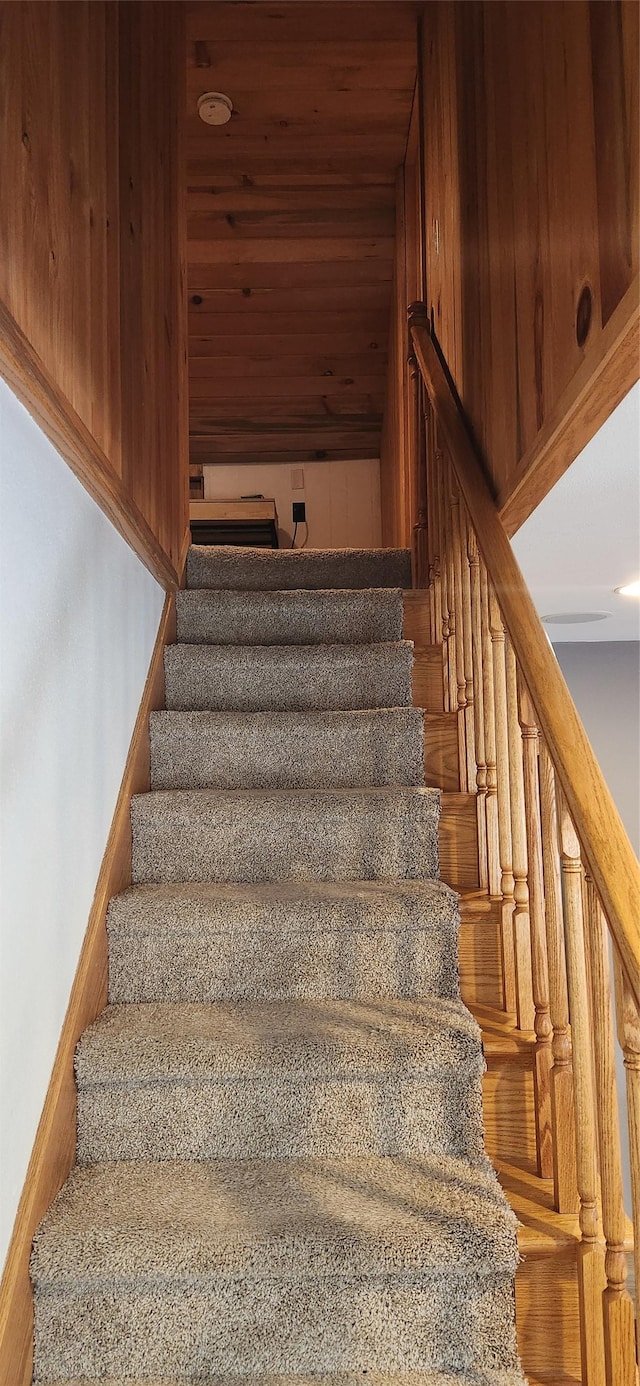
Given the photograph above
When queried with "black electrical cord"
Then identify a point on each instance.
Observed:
(295, 530)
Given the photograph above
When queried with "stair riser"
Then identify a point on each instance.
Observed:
(262, 964)
(266, 1118)
(286, 750)
(364, 838)
(322, 678)
(407, 1323)
(288, 618)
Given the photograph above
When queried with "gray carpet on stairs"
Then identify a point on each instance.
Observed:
(276, 570)
(349, 1378)
(289, 618)
(310, 939)
(287, 750)
(285, 834)
(281, 1178)
(281, 678)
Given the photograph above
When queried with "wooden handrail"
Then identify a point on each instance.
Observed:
(607, 851)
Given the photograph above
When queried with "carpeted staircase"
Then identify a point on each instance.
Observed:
(281, 1178)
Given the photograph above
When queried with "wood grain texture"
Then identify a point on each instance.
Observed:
(427, 678)
(54, 1147)
(531, 175)
(441, 768)
(292, 206)
(92, 269)
(608, 852)
(458, 839)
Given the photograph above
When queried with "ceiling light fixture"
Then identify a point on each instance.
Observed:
(574, 618)
(214, 108)
(632, 589)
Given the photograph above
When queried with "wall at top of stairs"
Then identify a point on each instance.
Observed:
(92, 274)
(78, 621)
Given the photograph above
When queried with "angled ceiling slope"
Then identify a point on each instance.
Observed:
(291, 218)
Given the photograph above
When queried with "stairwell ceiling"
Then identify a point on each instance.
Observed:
(291, 222)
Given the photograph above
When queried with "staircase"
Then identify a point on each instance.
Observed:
(280, 1164)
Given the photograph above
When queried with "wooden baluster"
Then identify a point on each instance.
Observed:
(444, 579)
(543, 1060)
(591, 1277)
(619, 1326)
(562, 1104)
(493, 849)
(432, 532)
(417, 452)
(525, 1009)
(504, 803)
(467, 646)
(478, 703)
(628, 1028)
(461, 686)
(435, 459)
(451, 598)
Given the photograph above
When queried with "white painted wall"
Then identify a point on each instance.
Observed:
(342, 498)
(79, 615)
(604, 682)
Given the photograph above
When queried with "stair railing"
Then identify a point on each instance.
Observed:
(553, 852)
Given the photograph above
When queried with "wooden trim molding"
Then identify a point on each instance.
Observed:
(609, 855)
(31, 382)
(604, 377)
(54, 1148)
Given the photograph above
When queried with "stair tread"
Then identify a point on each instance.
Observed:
(294, 616)
(354, 1378)
(274, 834)
(226, 566)
(283, 939)
(254, 678)
(287, 749)
(295, 1218)
(130, 1044)
(343, 904)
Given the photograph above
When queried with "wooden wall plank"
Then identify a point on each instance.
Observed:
(531, 175)
(92, 268)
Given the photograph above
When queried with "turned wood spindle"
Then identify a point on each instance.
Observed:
(628, 1030)
(452, 641)
(467, 647)
(507, 881)
(543, 1057)
(461, 685)
(491, 811)
(477, 651)
(619, 1326)
(591, 1276)
(562, 1102)
(525, 1009)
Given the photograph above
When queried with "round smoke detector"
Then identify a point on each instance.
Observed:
(214, 108)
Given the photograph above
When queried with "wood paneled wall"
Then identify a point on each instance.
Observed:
(92, 264)
(530, 169)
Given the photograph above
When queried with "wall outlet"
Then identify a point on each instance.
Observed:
(297, 479)
(299, 513)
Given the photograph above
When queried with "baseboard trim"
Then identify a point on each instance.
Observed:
(54, 1146)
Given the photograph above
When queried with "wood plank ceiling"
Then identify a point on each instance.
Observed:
(291, 220)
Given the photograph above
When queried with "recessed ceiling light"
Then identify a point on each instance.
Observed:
(574, 618)
(632, 589)
(215, 108)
